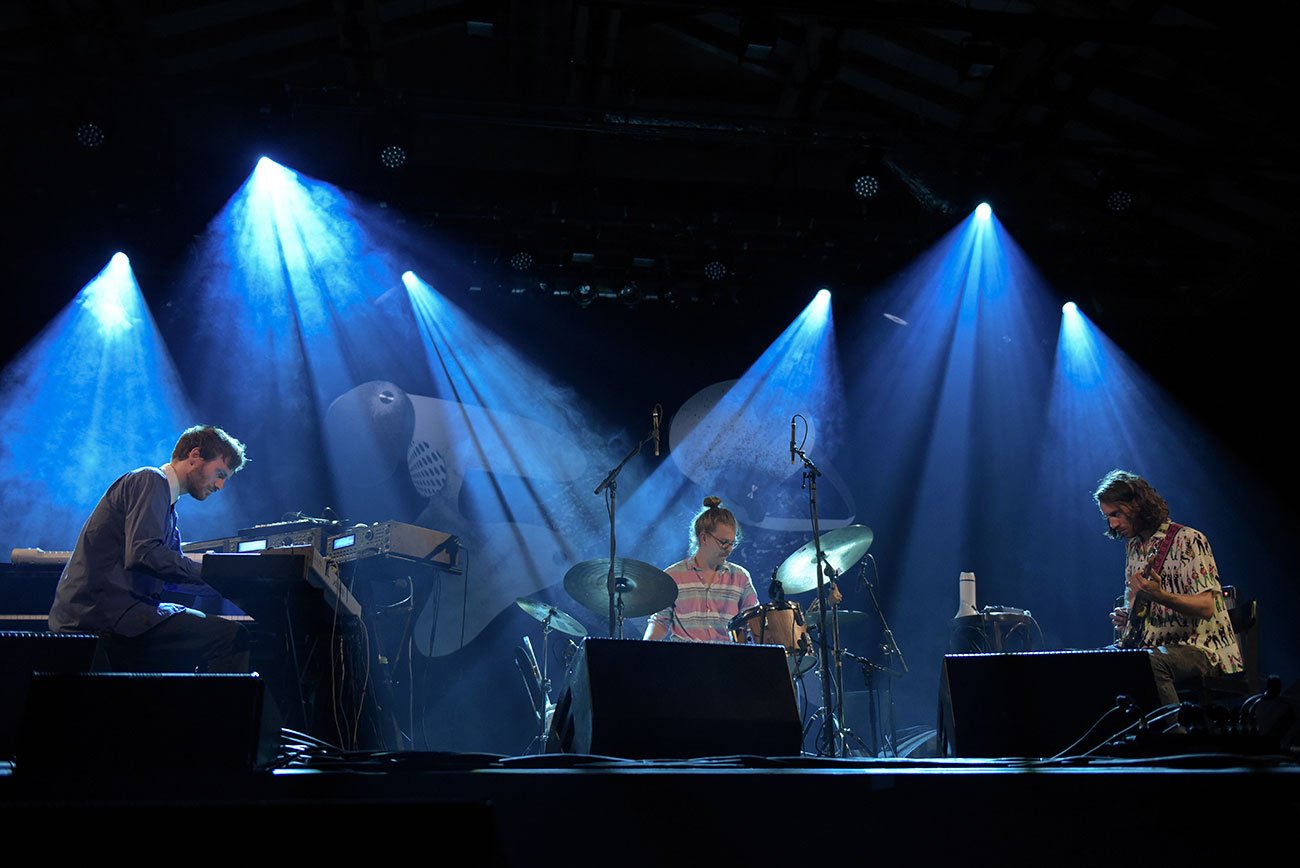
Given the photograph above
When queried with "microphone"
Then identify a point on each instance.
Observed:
(792, 440)
(655, 417)
(532, 661)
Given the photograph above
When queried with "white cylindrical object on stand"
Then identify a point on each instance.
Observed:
(966, 595)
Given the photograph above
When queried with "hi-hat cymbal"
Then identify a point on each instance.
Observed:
(841, 549)
(643, 588)
(559, 620)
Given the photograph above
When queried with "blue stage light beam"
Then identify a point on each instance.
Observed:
(732, 440)
(505, 455)
(1106, 413)
(286, 283)
(95, 394)
(951, 370)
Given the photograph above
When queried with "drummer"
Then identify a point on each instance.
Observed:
(711, 590)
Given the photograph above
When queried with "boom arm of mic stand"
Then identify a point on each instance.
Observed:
(613, 474)
(892, 648)
(611, 482)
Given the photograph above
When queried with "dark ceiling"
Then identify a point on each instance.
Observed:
(675, 134)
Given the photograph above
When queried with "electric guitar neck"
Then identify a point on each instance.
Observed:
(1138, 610)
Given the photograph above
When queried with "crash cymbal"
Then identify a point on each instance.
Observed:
(559, 620)
(643, 588)
(847, 619)
(841, 549)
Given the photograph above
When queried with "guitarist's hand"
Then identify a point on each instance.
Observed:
(1119, 617)
(1144, 582)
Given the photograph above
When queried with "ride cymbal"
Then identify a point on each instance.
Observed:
(643, 588)
(841, 549)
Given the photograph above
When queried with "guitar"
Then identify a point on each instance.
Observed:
(1138, 610)
(1140, 606)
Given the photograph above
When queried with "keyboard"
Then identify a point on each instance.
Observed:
(38, 556)
(261, 583)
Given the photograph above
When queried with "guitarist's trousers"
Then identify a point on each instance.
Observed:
(1178, 664)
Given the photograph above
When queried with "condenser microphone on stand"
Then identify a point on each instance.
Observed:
(655, 417)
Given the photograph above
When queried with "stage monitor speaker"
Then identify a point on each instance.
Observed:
(1038, 703)
(21, 654)
(130, 721)
(676, 700)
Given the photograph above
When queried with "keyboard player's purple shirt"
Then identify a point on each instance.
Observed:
(127, 552)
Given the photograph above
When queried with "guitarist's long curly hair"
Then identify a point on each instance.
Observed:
(1120, 486)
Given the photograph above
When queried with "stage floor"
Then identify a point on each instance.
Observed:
(570, 809)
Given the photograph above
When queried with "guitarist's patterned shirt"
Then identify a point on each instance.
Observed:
(1188, 569)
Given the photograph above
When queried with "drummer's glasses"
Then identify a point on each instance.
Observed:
(726, 544)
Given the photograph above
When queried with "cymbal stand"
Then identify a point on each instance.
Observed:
(611, 482)
(546, 681)
(621, 587)
(832, 745)
(836, 648)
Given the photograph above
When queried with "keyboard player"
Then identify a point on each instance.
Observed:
(130, 548)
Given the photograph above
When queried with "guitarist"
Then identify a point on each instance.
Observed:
(1175, 605)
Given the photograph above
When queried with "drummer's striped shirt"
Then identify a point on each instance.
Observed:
(707, 600)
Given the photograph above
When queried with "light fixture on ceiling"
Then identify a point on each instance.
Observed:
(1119, 201)
(90, 135)
(715, 270)
(393, 157)
(866, 186)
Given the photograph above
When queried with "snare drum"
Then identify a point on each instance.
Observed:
(776, 624)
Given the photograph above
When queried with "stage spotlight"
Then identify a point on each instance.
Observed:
(521, 261)
(393, 157)
(90, 135)
(1119, 201)
(983, 211)
(715, 270)
(1069, 307)
(630, 294)
(866, 186)
(584, 294)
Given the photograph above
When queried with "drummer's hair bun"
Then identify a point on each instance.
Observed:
(712, 501)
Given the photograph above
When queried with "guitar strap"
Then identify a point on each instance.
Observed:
(1132, 637)
(1161, 553)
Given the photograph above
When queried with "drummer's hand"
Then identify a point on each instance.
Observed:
(835, 596)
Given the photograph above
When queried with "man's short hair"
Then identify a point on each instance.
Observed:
(212, 442)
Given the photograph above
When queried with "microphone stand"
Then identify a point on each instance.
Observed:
(832, 741)
(890, 648)
(611, 482)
